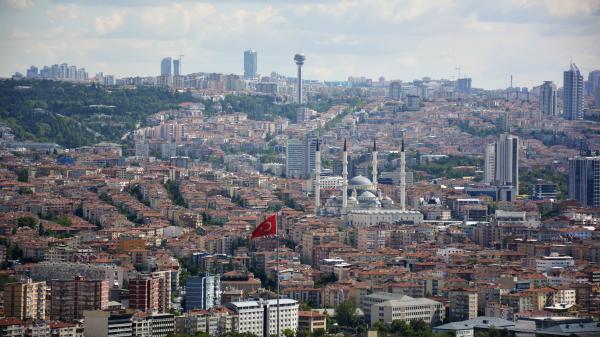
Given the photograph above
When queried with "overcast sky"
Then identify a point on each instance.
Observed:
(399, 39)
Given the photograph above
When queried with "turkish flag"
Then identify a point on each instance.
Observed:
(266, 228)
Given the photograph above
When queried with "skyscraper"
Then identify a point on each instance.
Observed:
(502, 163)
(584, 179)
(464, 85)
(250, 64)
(299, 59)
(165, 67)
(548, 98)
(301, 156)
(395, 91)
(573, 93)
(176, 69)
(202, 292)
(593, 82)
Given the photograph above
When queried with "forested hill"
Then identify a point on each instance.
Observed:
(73, 115)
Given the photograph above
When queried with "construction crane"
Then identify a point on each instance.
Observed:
(458, 68)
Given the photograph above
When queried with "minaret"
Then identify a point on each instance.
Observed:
(402, 178)
(317, 186)
(374, 163)
(344, 178)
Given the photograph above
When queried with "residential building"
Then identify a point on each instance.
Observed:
(548, 99)
(202, 292)
(165, 67)
(69, 298)
(547, 263)
(463, 304)
(584, 180)
(311, 321)
(250, 64)
(25, 300)
(98, 323)
(395, 91)
(150, 292)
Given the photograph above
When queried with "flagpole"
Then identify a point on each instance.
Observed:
(277, 249)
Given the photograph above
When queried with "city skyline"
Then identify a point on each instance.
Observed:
(395, 39)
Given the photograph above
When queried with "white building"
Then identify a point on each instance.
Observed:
(388, 307)
(98, 323)
(555, 260)
(260, 317)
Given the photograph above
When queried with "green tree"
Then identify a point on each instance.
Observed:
(27, 221)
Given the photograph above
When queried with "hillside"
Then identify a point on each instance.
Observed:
(73, 115)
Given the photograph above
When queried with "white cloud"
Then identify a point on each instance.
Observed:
(107, 24)
(17, 4)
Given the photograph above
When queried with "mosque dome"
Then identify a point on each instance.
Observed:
(367, 196)
(360, 181)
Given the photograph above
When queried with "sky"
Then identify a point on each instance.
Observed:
(534, 40)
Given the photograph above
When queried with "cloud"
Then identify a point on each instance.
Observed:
(107, 24)
(17, 4)
(405, 39)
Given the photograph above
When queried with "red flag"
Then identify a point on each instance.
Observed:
(266, 228)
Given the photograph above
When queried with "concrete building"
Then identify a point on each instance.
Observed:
(548, 99)
(311, 321)
(202, 292)
(502, 163)
(395, 91)
(260, 317)
(150, 292)
(165, 67)
(98, 323)
(584, 180)
(250, 64)
(70, 298)
(464, 85)
(463, 304)
(47, 271)
(573, 93)
(408, 309)
(547, 263)
(25, 300)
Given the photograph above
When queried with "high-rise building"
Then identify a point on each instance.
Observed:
(294, 158)
(202, 292)
(395, 91)
(464, 85)
(548, 101)
(300, 156)
(573, 93)
(250, 64)
(501, 166)
(584, 179)
(299, 59)
(69, 298)
(165, 67)
(150, 292)
(25, 300)
(32, 72)
(489, 163)
(593, 82)
(176, 67)
(260, 317)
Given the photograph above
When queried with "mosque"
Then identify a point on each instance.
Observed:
(361, 202)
